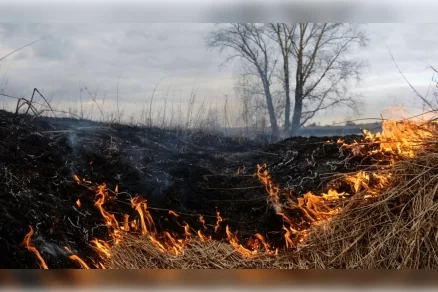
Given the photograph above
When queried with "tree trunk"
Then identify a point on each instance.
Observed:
(270, 104)
(298, 108)
(299, 87)
(287, 91)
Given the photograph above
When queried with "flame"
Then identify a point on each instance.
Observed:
(146, 221)
(176, 246)
(173, 213)
(264, 243)
(201, 219)
(157, 243)
(126, 222)
(31, 248)
(397, 139)
(77, 259)
(110, 219)
(116, 190)
(404, 138)
(219, 220)
(315, 208)
(187, 231)
(272, 189)
(101, 247)
(238, 247)
(202, 236)
(78, 203)
(134, 225)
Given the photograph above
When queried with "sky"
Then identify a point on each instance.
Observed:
(132, 58)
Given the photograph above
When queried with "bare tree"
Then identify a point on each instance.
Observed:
(249, 42)
(284, 35)
(322, 71)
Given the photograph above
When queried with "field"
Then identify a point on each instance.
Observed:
(83, 194)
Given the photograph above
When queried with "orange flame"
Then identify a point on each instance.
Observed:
(126, 222)
(173, 244)
(201, 219)
(101, 197)
(238, 247)
(173, 213)
(202, 236)
(187, 231)
(31, 248)
(157, 243)
(146, 221)
(78, 203)
(77, 259)
(102, 247)
(219, 220)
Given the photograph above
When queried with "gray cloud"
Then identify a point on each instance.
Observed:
(141, 54)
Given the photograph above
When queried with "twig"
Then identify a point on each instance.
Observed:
(410, 85)
(14, 51)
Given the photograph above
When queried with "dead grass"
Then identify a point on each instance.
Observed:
(398, 229)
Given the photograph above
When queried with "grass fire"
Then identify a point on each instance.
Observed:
(83, 194)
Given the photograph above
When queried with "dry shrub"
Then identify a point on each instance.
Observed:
(396, 229)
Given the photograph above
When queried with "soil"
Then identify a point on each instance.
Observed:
(189, 172)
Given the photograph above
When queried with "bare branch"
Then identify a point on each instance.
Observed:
(407, 81)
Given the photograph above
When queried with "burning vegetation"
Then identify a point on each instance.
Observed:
(112, 196)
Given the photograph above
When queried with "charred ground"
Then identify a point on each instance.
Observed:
(191, 173)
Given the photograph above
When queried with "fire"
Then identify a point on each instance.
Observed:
(78, 203)
(187, 231)
(238, 247)
(173, 213)
(31, 248)
(126, 222)
(157, 243)
(404, 139)
(101, 247)
(202, 236)
(146, 221)
(219, 220)
(110, 219)
(264, 243)
(359, 181)
(176, 246)
(201, 219)
(77, 259)
(272, 189)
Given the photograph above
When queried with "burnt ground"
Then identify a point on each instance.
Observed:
(191, 173)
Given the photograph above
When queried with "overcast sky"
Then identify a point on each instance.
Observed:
(97, 55)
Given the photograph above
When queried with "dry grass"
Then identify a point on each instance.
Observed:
(397, 229)
(136, 253)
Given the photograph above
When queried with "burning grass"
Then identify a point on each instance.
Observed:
(150, 199)
(397, 229)
(392, 225)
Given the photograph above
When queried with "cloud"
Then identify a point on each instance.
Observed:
(143, 53)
